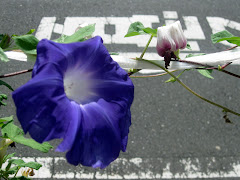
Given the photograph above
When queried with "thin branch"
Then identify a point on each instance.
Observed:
(15, 73)
(231, 48)
(212, 67)
(193, 92)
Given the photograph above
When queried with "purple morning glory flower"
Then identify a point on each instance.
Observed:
(77, 93)
(169, 40)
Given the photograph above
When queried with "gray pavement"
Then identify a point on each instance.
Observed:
(173, 133)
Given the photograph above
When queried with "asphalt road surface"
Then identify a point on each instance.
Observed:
(174, 135)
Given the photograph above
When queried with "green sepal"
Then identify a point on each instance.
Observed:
(27, 43)
(133, 70)
(14, 133)
(6, 84)
(81, 35)
(3, 56)
(188, 46)
(206, 72)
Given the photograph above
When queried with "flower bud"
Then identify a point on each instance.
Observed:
(169, 40)
(3, 147)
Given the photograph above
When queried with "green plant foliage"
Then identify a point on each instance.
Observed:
(13, 132)
(6, 84)
(27, 43)
(31, 31)
(5, 41)
(8, 157)
(206, 72)
(137, 28)
(6, 119)
(81, 35)
(172, 79)
(150, 31)
(220, 35)
(3, 56)
(21, 163)
(3, 97)
(225, 36)
(188, 46)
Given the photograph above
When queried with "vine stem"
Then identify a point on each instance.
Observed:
(193, 92)
(17, 171)
(146, 47)
(141, 56)
(15, 73)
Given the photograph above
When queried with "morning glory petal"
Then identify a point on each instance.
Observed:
(79, 94)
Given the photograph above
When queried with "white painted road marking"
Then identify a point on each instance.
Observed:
(48, 25)
(143, 168)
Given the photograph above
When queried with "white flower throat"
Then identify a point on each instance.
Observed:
(78, 86)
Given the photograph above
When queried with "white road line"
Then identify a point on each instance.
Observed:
(170, 15)
(142, 168)
(48, 25)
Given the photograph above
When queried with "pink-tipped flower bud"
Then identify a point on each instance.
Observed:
(170, 39)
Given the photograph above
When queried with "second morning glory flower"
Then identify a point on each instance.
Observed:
(169, 40)
(79, 94)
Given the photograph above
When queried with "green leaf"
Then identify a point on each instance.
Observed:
(6, 84)
(27, 43)
(3, 56)
(135, 29)
(206, 72)
(193, 55)
(233, 40)
(14, 133)
(80, 35)
(2, 97)
(150, 31)
(13, 170)
(6, 41)
(21, 163)
(5, 119)
(31, 31)
(8, 166)
(6, 157)
(220, 35)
